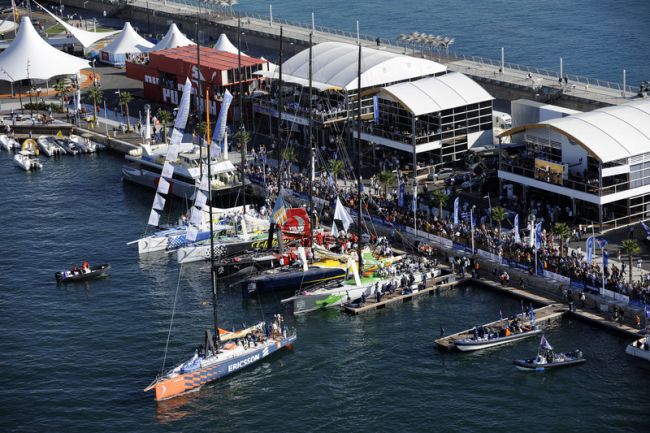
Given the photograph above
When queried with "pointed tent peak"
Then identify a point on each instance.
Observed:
(128, 41)
(31, 57)
(224, 44)
(173, 38)
(85, 37)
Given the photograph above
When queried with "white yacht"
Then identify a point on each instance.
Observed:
(24, 160)
(639, 348)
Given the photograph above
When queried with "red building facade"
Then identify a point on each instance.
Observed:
(164, 75)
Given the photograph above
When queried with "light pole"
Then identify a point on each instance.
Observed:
(471, 225)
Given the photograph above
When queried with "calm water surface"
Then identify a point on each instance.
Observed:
(75, 358)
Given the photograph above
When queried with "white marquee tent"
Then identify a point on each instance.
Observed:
(84, 37)
(127, 42)
(30, 57)
(224, 44)
(174, 38)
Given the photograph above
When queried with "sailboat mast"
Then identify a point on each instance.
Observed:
(359, 162)
(198, 95)
(311, 153)
(213, 275)
(279, 157)
(241, 118)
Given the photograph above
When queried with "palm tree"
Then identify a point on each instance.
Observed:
(441, 199)
(630, 247)
(62, 91)
(243, 137)
(498, 214)
(289, 155)
(125, 98)
(386, 178)
(563, 231)
(336, 167)
(164, 117)
(96, 94)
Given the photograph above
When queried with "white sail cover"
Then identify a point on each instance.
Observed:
(183, 114)
(84, 37)
(30, 57)
(173, 39)
(224, 44)
(128, 41)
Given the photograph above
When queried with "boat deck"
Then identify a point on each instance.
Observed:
(543, 316)
(433, 285)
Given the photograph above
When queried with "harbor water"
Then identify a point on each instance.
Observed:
(76, 358)
(595, 38)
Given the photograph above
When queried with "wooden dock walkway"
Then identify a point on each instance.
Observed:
(543, 316)
(434, 285)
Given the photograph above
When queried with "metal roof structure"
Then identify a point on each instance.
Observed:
(609, 134)
(335, 66)
(434, 94)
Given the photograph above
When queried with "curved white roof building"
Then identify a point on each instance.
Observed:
(335, 66)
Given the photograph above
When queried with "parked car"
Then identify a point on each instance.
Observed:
(442, 174)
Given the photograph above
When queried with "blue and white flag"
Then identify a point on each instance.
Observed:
(605, 259)
(516, 229)
(538, 235)
(589, 248)
(456, 205)
(400, 195)
(601, 242)
(222, 120)
(544, 344)
(182, 114)
(472, 220)
(279, 214)
(647, 312)
(646, 229)
(415, 199)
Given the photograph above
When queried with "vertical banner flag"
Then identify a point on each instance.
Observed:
(456, 204)
(589, 246)
(400, 197)
(182, 114)
(516, 229)
(605, 259)
(538, 235)
(646, 229)
(220, 128)
(531, 236)
(415, 199)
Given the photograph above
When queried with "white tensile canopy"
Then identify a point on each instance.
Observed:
(224, 44)
(127, 42)
(30, 57)
(7, 26)
(174, 38)
(84, 37)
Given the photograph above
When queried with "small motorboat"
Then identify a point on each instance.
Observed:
(25, 161)
(69, 146)
(547, 359)
(81, 275)
(8, 143)
(48, 145)
(639, 348)
(84, 144)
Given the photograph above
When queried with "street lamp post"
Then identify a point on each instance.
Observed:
(471, 225)
(489, 207)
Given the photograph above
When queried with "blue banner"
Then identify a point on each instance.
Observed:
(375, 107)
(538, 236)
(456, 203)
(589, 249)
(400, 197)
(605, 259)
(516, 229)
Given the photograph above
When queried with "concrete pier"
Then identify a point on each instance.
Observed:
(508, 82)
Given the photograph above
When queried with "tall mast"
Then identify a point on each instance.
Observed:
(280, 114)
(241, 117)
(311, 153)
(198, 95)
(213, 275)
(359, 161)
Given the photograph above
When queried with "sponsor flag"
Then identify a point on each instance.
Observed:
(220, 127)
(279, 214)
(544, 344)
(516, 229)
(400, 196)
(341, 214)
(589, 247)
(601, 242)
(538, 235)
(456, 205)
(605, 259)
(646, 229)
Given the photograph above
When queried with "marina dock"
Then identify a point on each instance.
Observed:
(442, 282)
(543, 316)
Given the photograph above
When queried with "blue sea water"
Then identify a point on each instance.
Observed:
(595, 38)
(77, 357)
